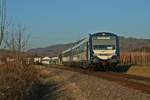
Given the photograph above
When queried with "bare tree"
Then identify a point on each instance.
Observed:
(2, 19)
(17, 41)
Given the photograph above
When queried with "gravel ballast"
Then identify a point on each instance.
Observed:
(67, 85)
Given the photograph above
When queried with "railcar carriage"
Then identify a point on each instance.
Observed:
(96, 50)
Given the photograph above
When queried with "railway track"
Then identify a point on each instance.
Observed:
(131, 81)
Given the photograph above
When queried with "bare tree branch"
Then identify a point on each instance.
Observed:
(2, 19)
(17, 41)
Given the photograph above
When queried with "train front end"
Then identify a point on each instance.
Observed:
(105, 48)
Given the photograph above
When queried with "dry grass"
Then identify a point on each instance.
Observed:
(16, 80)
(136, 58)
(140, 71)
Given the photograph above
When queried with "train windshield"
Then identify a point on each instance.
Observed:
(104, 47)
(104, 42)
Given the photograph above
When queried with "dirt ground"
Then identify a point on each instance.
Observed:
(140, 70)
(66, 85)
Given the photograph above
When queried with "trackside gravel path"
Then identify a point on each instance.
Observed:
(57, 84)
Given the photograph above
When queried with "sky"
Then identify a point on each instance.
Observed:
(62, 21)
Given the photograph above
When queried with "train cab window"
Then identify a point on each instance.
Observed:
(104, 47)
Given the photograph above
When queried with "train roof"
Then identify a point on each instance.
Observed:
(103, 34)
(69, 49)
(81, 42)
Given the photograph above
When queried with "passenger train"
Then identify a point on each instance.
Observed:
(97, 50)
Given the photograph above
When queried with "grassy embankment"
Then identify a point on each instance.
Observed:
(16, 80)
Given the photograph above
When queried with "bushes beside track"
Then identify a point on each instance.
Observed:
(16, 80)
(135, 58)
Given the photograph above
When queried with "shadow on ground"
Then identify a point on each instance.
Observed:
(48, 91)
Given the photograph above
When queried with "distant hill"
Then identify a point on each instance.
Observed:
(4, 52)
(126, 44)
(53, 50)
(130, 44)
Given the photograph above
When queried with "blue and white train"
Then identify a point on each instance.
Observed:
(97, 50)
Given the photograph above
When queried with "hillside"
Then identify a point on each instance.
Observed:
(4, 52)
(126, 44)
(132, 44)
(53, 50)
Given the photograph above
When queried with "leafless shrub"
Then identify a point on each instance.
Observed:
(17, 77)
(136, 58)
(16, 80)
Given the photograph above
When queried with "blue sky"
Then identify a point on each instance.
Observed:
(60, 21)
